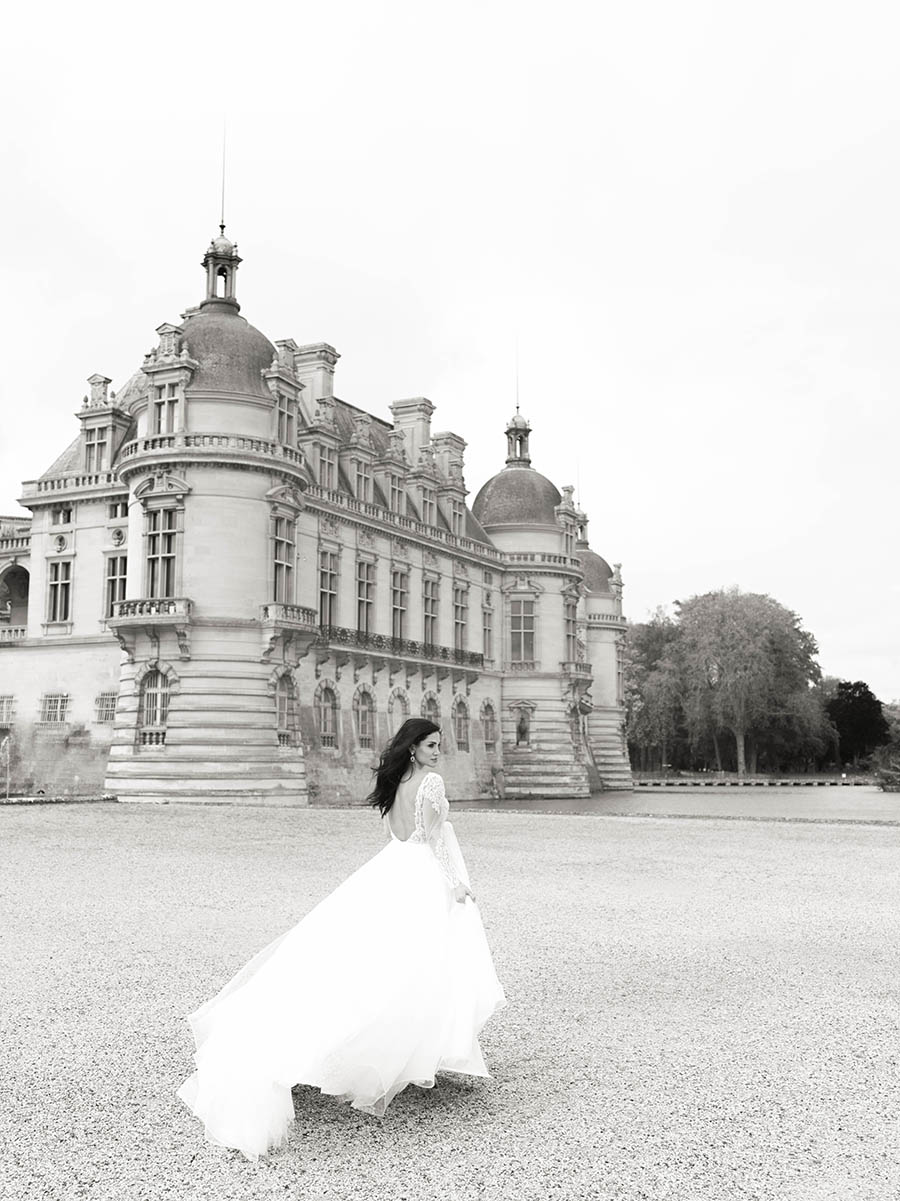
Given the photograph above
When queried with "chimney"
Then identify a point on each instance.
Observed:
(413, 419)
(314, 367)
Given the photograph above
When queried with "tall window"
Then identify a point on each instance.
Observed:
(54, 707)
(397, 497)
(461, 724)
(457, 517)
(283, 559)
(287, 420)
(284, 711)
(326, 716)
(165, 408)
(327, 466)
(398, 711)
(429, 506)
(363, 480)
(365, 595)
(162, 535)
(460, 617)
(569, 540)
(521, 622)
(153, 711)
(364, 718)
(571, 632)
(95, 446)
(59, 601)
(399, 597)
(431, 710)
(7, 704)
(328, 577)
(430, 595)
(116, 576)
(489, 726)
(487, 631)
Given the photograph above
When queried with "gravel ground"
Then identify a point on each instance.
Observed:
(699, 1010)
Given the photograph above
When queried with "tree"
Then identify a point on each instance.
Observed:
(746, 664)
(652, 687)
(859, 720)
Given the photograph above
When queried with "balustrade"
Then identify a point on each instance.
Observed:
(340, 636)
(11, 634)
(292, 614)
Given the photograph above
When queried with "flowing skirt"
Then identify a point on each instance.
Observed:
(386, 982)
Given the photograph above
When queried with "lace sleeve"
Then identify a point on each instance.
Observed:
(436, 807)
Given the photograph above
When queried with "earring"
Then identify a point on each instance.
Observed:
(412, 754)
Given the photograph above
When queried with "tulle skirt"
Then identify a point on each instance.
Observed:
(386, 982)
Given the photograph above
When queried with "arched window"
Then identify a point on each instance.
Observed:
(461, 724)
(431, 710)
(153, 709)
(398, 710)
(489, 726)
(285, 711)
(364, 717)
(326, 711)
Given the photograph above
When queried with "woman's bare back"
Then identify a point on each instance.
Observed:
(402, 814)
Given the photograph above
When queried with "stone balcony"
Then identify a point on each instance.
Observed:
(344, 645)
(579, 669)
(149, 615)
(240, 449)
(10, 635)
(293, 624)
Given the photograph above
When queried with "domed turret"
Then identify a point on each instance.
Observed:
(517, 495)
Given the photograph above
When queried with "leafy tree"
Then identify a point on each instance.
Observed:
(859, 720)
(652, 688)
(746, 663)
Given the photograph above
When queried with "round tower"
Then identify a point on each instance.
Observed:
(208, 627)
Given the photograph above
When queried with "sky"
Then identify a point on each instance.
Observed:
(676, 225)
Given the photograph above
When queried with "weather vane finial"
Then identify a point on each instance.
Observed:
(222, 221)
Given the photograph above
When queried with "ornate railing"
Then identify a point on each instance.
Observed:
(293, 614)
(385, 644)
(213, 444)
(545, 557)
(522, 665)
(10, 634)
(73, 482)
(152, 607)
(577, 669)
(398, 522)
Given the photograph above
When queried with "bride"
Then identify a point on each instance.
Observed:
(386, 982)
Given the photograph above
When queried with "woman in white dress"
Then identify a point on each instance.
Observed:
(386, 982)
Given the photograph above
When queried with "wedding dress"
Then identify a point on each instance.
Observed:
(383, 984)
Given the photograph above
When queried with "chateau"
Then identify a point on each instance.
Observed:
(235, 586)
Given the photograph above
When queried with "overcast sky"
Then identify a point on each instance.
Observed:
(686, 214)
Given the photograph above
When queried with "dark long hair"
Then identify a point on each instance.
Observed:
(395, 760)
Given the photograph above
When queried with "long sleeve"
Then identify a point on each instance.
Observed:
(435, 808)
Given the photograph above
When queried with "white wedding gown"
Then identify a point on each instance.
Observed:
(386, 982)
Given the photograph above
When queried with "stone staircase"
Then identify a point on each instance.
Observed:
(609, 751)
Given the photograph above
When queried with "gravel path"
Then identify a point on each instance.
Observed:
(699, 1010)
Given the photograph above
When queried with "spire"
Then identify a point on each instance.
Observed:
(221, 262)
(517, 441)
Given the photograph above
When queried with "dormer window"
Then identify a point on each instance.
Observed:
(568, 541)
(165, 408)
(363, 480)
(429, 506)
(457, 517)
(327, 466)
(287, 420)
(96, 442)
(397, 497)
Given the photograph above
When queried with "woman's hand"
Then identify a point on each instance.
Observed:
(460, 893)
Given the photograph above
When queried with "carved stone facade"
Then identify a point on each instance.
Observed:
(235, 586)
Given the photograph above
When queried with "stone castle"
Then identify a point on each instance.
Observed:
(235, 586)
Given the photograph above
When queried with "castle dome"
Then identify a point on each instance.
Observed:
(229, 351)
(517, 496)
(597, 572)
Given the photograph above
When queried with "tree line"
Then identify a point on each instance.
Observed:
(731, 683)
